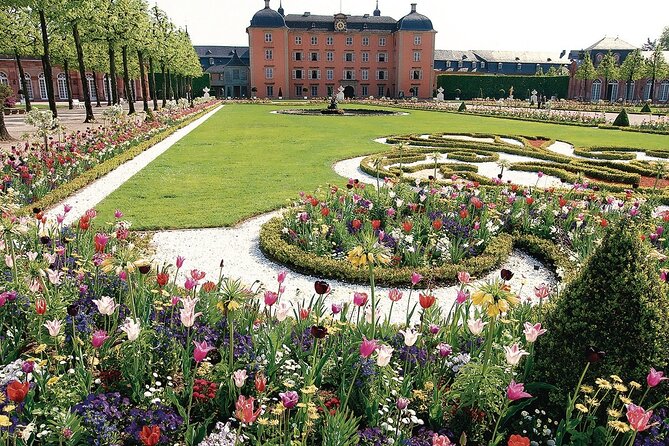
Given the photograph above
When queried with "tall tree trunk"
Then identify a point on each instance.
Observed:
(95, 89)
(652, 87)
(22, 77)
(126, 80)
(152, 84)
(164, 86)
(106, 79)
(68, 84)
(170, 91)
(112, 72)
(142, 77)
(46, 63)
(82, 73)
(4, 134)
(190, 90)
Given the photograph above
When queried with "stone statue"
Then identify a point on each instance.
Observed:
(340, 94)
(206, 92)
(333, 104)
(440, 94)
(511, 92)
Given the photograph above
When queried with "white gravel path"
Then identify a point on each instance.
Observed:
(239, 249)
(95, 192)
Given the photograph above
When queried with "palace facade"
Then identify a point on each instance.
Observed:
(308, 55)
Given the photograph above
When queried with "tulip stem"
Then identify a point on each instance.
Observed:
(231, 329)
(501, 414)
(488, 344)
(350, 388)
(371, 284)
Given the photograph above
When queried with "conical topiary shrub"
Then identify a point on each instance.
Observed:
(462, 107)
(617, 304)
(622, 120)
(646, 108)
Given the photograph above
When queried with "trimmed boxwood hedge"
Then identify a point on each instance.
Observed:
(491, 85)
(604, 155)
(62, 192)
(499, 248)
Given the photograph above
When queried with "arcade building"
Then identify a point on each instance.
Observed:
(308, 55)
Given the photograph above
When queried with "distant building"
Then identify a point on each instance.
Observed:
(308, 55)
(499, 62)
(615, 89)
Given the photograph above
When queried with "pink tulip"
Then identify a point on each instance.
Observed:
(123, 275)
(190, 284)
(654, 377)
(360, 299)
(394, 295)
(99, 338)
(118, 214)
(638, 417)
(281, 277)
(336, 308)
(441, 440)
(464, 277)
(444, 350)
(532, 332)
(289, 399)
(462, 296)
(367, 347)
(201, 351)
(542, 291)
(67, 208)
(180, 261)
(415, 278)
(270, 298)
(516, 391)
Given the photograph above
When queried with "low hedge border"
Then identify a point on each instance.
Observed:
(277, 249)
(633, 129)
(604, 155)
(86, 178)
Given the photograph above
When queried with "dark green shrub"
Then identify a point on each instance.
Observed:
(616, 303)
(646, 108)
(622, 120)
(462, 107)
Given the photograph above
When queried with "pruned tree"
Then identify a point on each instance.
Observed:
(656, 68)
(586, 72)
(609, 70)
(632, 69)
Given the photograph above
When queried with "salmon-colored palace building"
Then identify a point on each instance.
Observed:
(299, 55)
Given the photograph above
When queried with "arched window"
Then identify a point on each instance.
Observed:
(29, 86)
(613, 89)
(630, 91)
(90, 80)
(646, 90)
(62, 86)
(43, 93)
(3, 79)
(664, 91)
(596, 93)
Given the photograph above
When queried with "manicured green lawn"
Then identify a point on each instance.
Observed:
(245, 161)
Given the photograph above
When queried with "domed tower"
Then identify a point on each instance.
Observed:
(415, 41)
(377, 11)
(268, 38)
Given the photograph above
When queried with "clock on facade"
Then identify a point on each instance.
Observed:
(340, 25)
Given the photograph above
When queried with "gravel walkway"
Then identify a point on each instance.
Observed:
(95, 192)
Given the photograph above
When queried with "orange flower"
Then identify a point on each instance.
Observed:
(17, 391)
(407, 226)
(150, 436)
(244, 412)
(209, 286)
(426, 300)
(517, 440)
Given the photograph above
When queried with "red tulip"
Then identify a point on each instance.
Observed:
(17, 391)
(162, 279)
(476, 202)
(304, 313)
(40, 306)
(325, 212)
(376, 224)
(464, 213)
(208, 286)
(244, 412)
(84, 222)
(426, 300)
(407, 226)
(356, 224)
(529, 201)
(518, 440)
(437, 225)
(260, 382)
(100, 240)
(604, 223)
(150, 436)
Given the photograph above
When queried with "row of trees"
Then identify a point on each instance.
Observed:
(634, 67)
(99, 36)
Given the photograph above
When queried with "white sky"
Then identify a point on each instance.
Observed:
(532, 25)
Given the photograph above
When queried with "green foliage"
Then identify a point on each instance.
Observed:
(340, 429)
(617, 304)
(622, 120)
(586, 71)
(646, 108)
(489, 86)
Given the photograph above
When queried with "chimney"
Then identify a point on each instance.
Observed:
(413, 7)
(307, 14)
(266, 4)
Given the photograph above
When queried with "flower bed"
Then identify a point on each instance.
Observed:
(101, 347)
(34, 170)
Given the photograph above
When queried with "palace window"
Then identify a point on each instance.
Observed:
(270, 90)
(460, 64)
(416, 75)
(349, 75)
(314, 74)
(365, 56)
(297, 74)
(416, 56)
(381, 90)
(269, 73)
(43, 93)
(349, 41)
(329, 74)
(314, 91)
(382, 41)
(364, 74)
(329, 56)
(499, 66)
(211, 61)
(298, 40)
(3, 79)
(314, 41)
(382, 57)
(298, 90)
(314, 57)
(90, 80)
(417, 40)
(348, 57)
(482, 64)
(664, 91)
(62, 86)
(365, 90)
(269, 54)
(519, 66)
(268, 37)
(297, 55)
(365, 41)
(596, 92)
(382, 75)
(329, 40)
